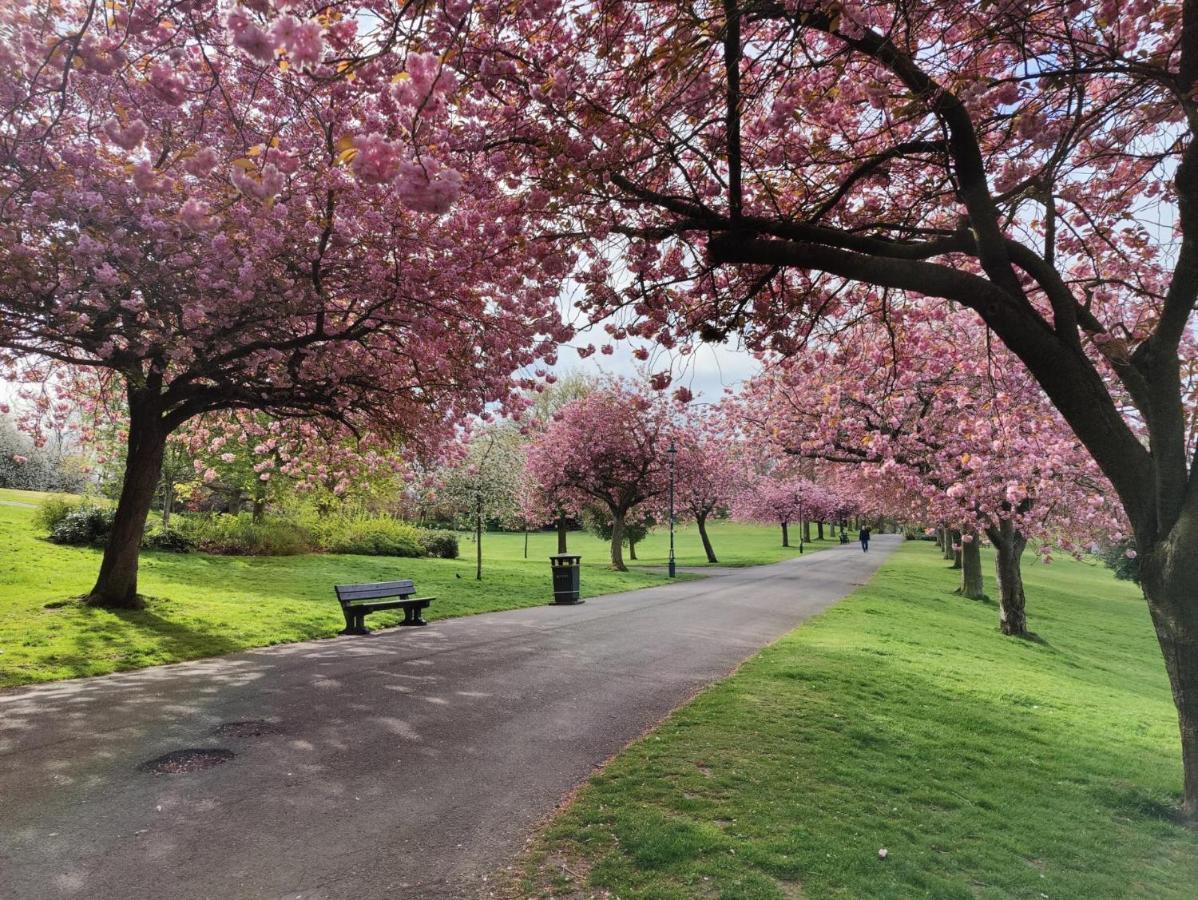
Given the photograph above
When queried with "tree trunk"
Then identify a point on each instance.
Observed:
(631, 549)
(1008, 549)
(478, 540)
(561, 534)
(806, 531)
(617, 541)
(116, 585)
(168, 497)
(1169, 578)
(971, 570)
(701, 521)
(946, 542)
(526, 542)
(819, 533)
(785, 535)
(258, 510)
(955, 547)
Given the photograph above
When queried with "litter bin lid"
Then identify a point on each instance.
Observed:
(564, 556)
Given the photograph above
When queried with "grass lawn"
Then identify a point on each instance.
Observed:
(208, 605)
(32, 498)
(986, 766)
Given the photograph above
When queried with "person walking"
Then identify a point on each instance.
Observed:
(864, 538)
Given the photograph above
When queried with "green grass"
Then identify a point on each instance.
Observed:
(203, 605)
(986, 766)
(32, 498)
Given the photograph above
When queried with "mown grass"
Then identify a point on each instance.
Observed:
(901, 719)
(33, 498)
(202, 605)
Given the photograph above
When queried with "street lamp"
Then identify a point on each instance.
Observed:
(802, 526)
(673, 452)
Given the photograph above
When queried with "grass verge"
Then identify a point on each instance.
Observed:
(202, 605)
(901, 719)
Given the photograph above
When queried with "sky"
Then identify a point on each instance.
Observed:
(707, 371)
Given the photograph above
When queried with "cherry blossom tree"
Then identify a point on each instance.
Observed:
(765, 163)
(606, 448)
(541, 504)
(283, 209)
(709, 476)
(967, 436)
(773, 499)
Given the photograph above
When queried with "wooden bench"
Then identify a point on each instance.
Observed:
(359, 600)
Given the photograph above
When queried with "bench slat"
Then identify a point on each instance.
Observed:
(371, 591)
(373, 605)
(389, 604)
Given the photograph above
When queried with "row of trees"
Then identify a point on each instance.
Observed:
(364, 215)
(605, 452)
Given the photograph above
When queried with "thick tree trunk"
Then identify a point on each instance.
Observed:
(631, 549)
(806, 531)
(617, 541)
(946, 542)
(972, 586)
(561, 534)
(116, 585)
(819, 534)
(1008, 551)
(701, 521)
(1169, 578)
(785, 534)
(258, 510)
(478, 540)
(955, 547)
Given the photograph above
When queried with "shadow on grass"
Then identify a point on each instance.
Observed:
(131, 638)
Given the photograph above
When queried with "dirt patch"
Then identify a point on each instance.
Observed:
(184, 762)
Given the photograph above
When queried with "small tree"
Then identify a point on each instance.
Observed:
(485, 484)
(775, 499)
(607, 448)
(708, 476)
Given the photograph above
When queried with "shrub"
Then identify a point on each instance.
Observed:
(1121, 558)
(240, 535)
(83, 525)
(371, 536)
(441, 544)
(170, 540)
(53, 510)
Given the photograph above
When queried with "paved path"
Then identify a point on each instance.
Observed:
(406, 765)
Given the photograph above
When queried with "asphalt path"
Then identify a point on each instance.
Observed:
(412, 763)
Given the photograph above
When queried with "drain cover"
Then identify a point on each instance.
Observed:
(247, 728)
(183, 762)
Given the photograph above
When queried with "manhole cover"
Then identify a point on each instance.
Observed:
(183, 762)
(248, 728)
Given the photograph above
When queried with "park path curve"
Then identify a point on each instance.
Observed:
(410, 764)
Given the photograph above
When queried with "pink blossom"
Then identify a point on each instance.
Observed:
(128, 137)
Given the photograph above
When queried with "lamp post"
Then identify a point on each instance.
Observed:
(802, 527)
(673, 452)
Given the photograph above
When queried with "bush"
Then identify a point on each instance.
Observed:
(440, 544)
(1126, 567)
(240, 535)
(83, 525)
(170, 540)
(53, 510)
(371, 536)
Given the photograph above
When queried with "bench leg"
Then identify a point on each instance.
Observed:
(355, 622)
(411, 616)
